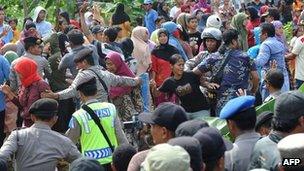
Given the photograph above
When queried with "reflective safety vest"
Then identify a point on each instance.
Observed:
(93, 143)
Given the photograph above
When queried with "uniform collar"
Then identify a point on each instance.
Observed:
(91, 101)
(247, 135)
(40, 125)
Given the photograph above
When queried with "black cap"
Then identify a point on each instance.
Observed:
(44, 107)
(97, 29)
(189, 128)
(86, 164)
(193, 147)
(289, 105)
(212, 143)
(83, 54)
(167, 114)
(32, 41)
(86, 83)
(262, 118)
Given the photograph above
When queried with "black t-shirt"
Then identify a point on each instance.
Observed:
(188, 91)
(195, 37)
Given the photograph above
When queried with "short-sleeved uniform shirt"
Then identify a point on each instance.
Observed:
(298, 49)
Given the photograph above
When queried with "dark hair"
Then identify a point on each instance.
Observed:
(162, 31)
(275, 13)
(218, 43)
(75, 37)
(253, 13)
(61, 21)
(89, 59)
(26, 19)
(2, 8)
(44, 118)
(28, 45)
(13, 20)
(266, 124)
(191, 17)
(284, 125)
(245, 120)
(210, 165)
(159, 18)
(268, 28)
(65, 15)
(127, 47)
(88, 90)
(122, 156)
(230, 35)
(275, 78)
(111, 33)
(175, 58)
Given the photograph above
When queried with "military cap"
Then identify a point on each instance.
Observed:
(44, 107)
(83, 54)
(236, 106)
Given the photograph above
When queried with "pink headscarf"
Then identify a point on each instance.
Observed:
(204, 6)
(122, 70)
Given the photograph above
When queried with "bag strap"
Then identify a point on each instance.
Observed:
(219, 75)
(97, 122)
(102, 83)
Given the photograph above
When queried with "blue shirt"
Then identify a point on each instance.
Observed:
(4, 75)
(8, 37)
(235, 76)
(149, 21)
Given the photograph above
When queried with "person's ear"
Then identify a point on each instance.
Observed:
(33, 118)
(221, 163)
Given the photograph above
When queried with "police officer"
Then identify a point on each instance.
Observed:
(86, 123)
(240, 115)
(38, 147)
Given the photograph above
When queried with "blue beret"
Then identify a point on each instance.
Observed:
(236, 105)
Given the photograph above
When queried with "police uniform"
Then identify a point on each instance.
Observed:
(84, 129)
(238, 158)
(38, 147)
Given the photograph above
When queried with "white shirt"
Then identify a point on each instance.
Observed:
(174, 11)
(298, 50)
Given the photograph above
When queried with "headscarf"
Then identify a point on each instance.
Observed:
(120, 16)
(141, 50)
(54, 43)
(37, 11)
(172, 28)
(164, 51)
(27, 68)
(182, 19)
(11, 56)
(122, 70)
(87, 18)
(237, 23)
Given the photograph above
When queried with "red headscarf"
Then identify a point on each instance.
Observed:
(27, 68)
(122, 70)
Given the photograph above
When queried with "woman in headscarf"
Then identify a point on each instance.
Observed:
(121, 19)
(239, 22)
(142, 50)
(161, 68)
(174, 34)
(254, 21)
(32, 85)
(122, 96)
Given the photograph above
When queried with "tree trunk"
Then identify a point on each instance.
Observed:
(25, 8)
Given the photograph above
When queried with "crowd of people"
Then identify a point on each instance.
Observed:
(69, 88)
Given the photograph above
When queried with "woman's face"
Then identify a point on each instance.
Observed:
(111, 66)
(279, 31)
(178, 67)
(146, 36)
(163, 38)
(211, 45)
(245, 22)
(226, 2)
(64, 25)
(166, 7)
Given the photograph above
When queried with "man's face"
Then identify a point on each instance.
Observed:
(2, 16)
(263, 36)
(81, 65)
(36, 49)
(157, 133)
(147, 7)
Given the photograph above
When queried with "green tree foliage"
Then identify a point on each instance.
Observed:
(24, 8)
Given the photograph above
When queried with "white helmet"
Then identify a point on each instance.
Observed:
(214, 21)
(212, 33)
